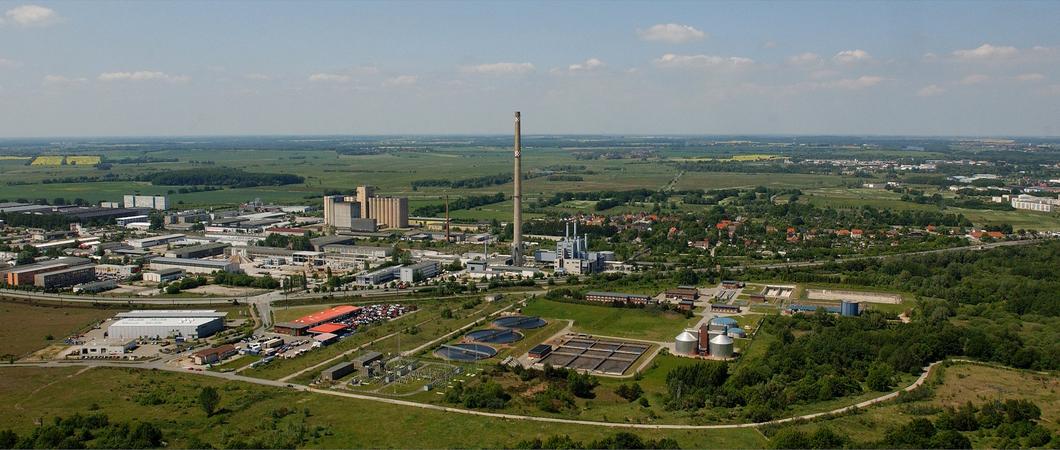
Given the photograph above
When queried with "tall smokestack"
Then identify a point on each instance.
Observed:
(517, 198)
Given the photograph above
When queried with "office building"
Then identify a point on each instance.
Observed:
(204, 266)
(65, 277)
(420, 271)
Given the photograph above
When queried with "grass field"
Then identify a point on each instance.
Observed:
(83, 160)
(610, 321)
(25, 327)
(27, 394)
(48, 160)
(961, 383)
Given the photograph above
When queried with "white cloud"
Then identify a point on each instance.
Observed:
(986, 52)
(671, 33)
(9, 64)
(701, 61)
(769, 44)
(852, 56)
(142, 75)
(1030, 77)
(330, 78)
(501, 68)
(864, 81)
(59, 80)
(31, 15)
(930, 90)
(805, 58)
(589, 64)
(257, 77)
(974, 78)
(401, 80)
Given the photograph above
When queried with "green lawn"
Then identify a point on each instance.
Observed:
(611, 321)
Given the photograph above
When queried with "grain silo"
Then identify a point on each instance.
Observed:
(686, 343)
(721, 346)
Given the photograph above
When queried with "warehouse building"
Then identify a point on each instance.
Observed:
(203, 266)
(198, 251)
(107, 348)
(420, 271)
(155, 241)
(163, 275)
(682, 293)
(337, 371)
(146, 201)
(214, 355)
(165, 327)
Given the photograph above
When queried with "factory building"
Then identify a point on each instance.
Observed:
(65, 277)
(301, 325)
(107, 348)
(158, 202)
(337, 371)
(617, 297)
(420, 271)
(573, 255)
(202, 266)
(682, 293)
(389, 212)
(198, 251)
(123, 221)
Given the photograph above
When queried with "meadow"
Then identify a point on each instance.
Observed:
(605, 320)
(27, 328)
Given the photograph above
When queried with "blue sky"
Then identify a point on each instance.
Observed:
(198, 68)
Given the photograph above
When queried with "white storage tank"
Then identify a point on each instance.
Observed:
(721, 346)
(686, 343)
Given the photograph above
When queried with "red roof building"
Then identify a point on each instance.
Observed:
(328, 315)
(333, 328)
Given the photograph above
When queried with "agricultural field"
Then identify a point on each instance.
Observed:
(48, 160)
(83, 160)
(169, 399)
(610, 321)
(27, 328)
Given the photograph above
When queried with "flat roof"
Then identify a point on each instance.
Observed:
(291, 325)
(328, 328)
(166, 271)
(191, 262)
(171, 313)
(163, 321)
(328, 314)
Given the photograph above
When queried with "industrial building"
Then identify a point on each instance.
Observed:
(365, 251)
(365, 211)
(163, 275)
(203, 266)
(165, 327)
(107, 348)
(336, 372)
(682, 293)
(198, 251)
(380, 276)
(65, 277)
(155, 241)
(573, 255)
(158, 202)
(26, 274)
(617, 297)
(420, 271)
(302, 325)
(123, 221)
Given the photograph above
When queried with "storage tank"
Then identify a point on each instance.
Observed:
(686, 343)
(737, 332)
(721, 346)
(727, 321)
(849, 309)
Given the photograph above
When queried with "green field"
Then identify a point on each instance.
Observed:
(610, 321)
(26, 327)
(28, 394)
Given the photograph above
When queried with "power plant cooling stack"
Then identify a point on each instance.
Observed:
(517, 199)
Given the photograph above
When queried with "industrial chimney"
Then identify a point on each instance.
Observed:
(517, 199)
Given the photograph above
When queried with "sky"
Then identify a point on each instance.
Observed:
(93, 68)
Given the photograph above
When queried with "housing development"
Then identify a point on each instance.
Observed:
(524, 288)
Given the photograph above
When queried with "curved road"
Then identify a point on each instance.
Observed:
(235, 377)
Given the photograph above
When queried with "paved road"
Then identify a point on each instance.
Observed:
(300, 387)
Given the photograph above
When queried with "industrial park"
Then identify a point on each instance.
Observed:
(451, 224)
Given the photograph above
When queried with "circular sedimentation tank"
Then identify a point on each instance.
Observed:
(519, 322)
(495, 336)
(727, 321)
(465, 352)
(737, 332)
